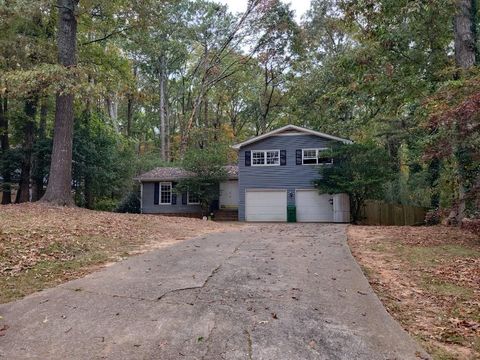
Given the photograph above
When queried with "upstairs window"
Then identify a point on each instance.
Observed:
(166, 193)
(258, 158)
(317, 156)
(265, 157)
(310, 157)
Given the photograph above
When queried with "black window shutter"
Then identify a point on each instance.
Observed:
(298, 156)
(174, 194)
(283, 157)
(184, 198)
(156, 193)
(248, 158)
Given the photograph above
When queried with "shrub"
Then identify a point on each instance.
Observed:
(130, 203)
(105, 204)
(433, 217)
(208, 166)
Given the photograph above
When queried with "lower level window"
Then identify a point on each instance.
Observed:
(165, 193)
(193, 198)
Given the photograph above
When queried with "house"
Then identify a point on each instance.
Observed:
(275, 170)
(158, 195)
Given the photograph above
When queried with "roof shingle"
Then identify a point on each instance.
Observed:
(176, 173)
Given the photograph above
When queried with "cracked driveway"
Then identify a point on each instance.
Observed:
(283, 291)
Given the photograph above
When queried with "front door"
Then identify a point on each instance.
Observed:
(229, 194)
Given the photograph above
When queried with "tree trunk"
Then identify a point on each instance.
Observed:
(87, 177)
(465, 34)
(130, 105)
(60, 176)
(5, 146)
(129, 115)
(39, 160)
(465, 58)
(89, 199)
(23, 194)
(168, 126)
(112, 110)
(434, 176)
(186, 133)
(163, 138)
(205, 111)
(217, 121)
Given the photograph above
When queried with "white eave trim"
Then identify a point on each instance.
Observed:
(290, 127)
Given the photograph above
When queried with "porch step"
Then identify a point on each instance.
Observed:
(226, 215)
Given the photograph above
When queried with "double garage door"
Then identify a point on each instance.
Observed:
(271, 205)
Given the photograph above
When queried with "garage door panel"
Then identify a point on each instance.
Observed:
(266, 205)
(314, 207)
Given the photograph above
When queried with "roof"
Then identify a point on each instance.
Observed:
(291, 129)
(176, 173)
(232, 171)
(165, 173)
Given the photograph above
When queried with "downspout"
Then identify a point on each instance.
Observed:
(141, 197)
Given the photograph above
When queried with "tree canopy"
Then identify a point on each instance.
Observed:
(359, 170)
(147, 83)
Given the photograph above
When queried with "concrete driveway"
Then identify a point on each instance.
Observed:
(268, 291)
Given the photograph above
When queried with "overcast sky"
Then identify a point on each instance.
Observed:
(300, 6)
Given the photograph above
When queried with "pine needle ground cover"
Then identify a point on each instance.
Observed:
(428, 278)
(42, 246)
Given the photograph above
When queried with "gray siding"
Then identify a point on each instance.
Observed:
(288, 177)
(148, 207)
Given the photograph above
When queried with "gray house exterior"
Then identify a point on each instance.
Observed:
(275, 171)
(163, 181)
(289, 176)
(292, 174)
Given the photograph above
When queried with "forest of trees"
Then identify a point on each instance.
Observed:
(93, 92)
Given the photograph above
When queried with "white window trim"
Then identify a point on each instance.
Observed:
(316, 156)
(160, 193)
(188, 200)
(265, 157)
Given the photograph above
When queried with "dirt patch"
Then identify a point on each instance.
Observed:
(42, 246)
(429, 280)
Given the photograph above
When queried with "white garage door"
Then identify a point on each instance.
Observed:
(265, 205)
(313, 207)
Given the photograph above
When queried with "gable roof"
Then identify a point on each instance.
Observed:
(176, 173)
(287, 129)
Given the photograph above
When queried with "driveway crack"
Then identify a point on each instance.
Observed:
(208, 278)
(207, 340)
(106, 294)
(249, 345)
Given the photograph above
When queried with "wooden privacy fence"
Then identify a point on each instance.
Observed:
(380, 213)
